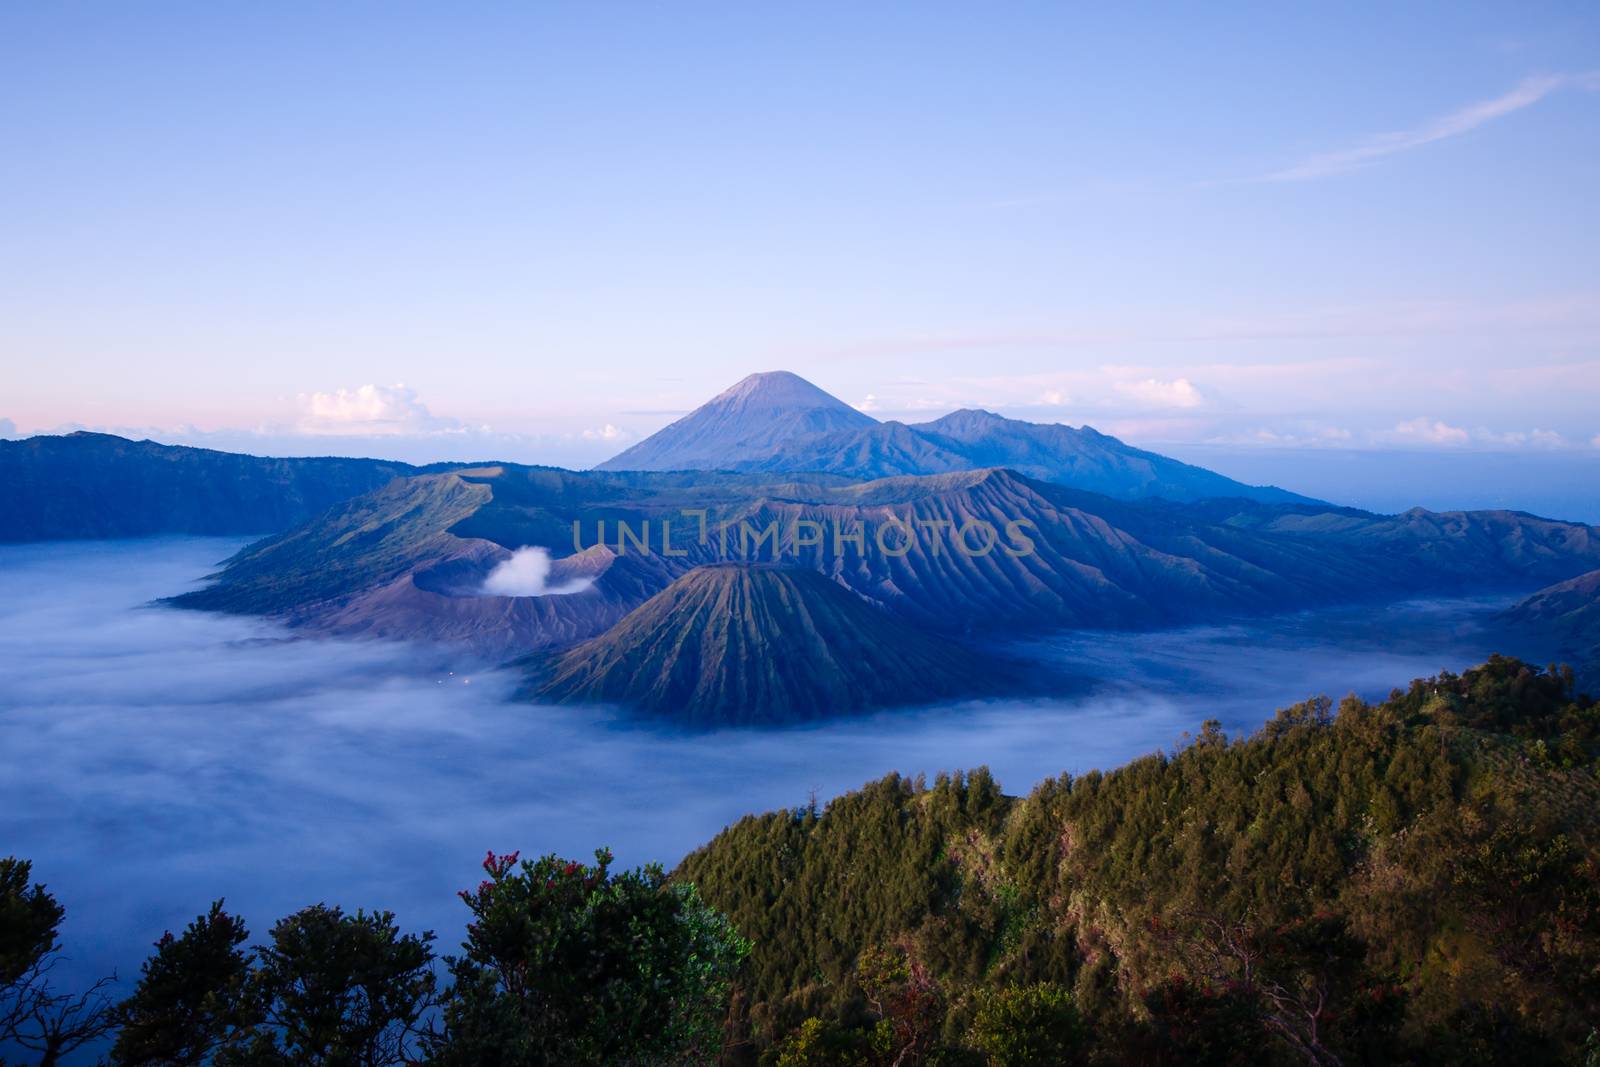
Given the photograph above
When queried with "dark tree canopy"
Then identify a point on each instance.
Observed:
(572, 963)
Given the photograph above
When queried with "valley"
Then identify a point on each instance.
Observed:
(204, 754)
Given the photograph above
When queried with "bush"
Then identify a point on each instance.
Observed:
(1021, 1025)
(566, 963)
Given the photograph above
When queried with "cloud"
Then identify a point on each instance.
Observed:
(1437, 432)
(1595, 440)
(1529, 92)
(1532, 439)
(8, 429)
(1300, 435)
(145, 741)
(1432, 431)
(371, 410)
(1155, 393)
(607, 432)
(869, 403)
(527, 573)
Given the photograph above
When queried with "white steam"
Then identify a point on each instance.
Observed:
(527, 573)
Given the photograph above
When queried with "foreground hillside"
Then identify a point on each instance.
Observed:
(93, 485)
(1411, 882)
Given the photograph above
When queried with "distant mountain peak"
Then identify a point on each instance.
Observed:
(777, 388)
(966, 418)
(750, 419)
(778, 421)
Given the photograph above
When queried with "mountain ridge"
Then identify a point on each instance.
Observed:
(394, 563)
(1567, 613)
(93, 485)
(786, 436)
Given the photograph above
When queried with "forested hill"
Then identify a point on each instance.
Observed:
(1410, 882)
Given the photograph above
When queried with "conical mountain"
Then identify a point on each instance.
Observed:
(747, 644)
(779, 422)
(750, 420)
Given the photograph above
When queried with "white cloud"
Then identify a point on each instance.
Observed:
(1595, 440)
(371, 410)
(1293, 433)
(1055, 398)
(607, 432)
(1155, 393)
(1432, 431)
(1437, 432)
(8, 429)
(1531, 439)
(1529, 92)
(527, 573)
(868, 403)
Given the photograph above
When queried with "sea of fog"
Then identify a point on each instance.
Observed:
(153, 760)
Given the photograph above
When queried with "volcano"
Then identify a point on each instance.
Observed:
(747, 421)
(750, 644)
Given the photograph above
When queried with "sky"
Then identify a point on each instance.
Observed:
(542, 231)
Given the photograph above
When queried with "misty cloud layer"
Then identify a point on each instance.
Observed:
(153, 760)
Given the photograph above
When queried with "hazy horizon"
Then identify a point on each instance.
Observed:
(560, 226)
(1553, 484)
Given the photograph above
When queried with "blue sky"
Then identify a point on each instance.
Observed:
(1270, 226)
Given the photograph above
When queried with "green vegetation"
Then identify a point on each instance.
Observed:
(566, 963)
(563, 964)
(1410, 882)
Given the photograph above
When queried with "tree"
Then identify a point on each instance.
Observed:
(909, 1004)
(1307, 979)
(819, 1044)
(33, 1015)
(28, 921)
(1021, 1025)
(567, 963)
(1197, 1024)
(192, 995)
(339, 989)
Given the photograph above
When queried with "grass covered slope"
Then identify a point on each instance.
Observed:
(742, 644)
(357, 545)
(1416, 881)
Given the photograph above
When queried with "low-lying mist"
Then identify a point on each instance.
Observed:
(153, 760)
